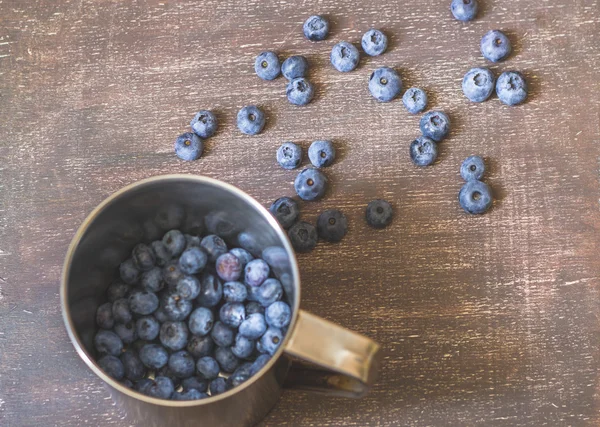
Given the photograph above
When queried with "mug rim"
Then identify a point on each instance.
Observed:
(88, 221)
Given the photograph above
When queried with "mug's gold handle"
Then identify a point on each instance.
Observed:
(340, 361)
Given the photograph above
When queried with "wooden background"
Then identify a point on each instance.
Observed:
(490, 320)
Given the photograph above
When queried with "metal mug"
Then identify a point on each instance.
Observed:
(315, 354)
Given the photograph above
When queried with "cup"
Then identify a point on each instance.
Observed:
(315, 354)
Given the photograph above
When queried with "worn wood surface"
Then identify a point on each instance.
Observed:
(490, 320)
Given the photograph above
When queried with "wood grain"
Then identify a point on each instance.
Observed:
(490, 320)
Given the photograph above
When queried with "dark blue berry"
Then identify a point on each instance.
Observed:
(217, 386)
(253, 307)
(374, 42)
(478, 84)
(316, 28)
(495, 46)
(379, 213)
(200, 346)
(511, 88)
(154, 356)
(254, 326)
(188, 288)
(204, 124)
(423, 151)
(385, 84)
(278, 315)
(152, 280)
(108, 342)
(234, 292)
(191, 394)
(104, 316)
(166, 371)
(129, 272)
(435, 125)
(321, 153)
(182, 364)
(134, 368)
(251, 120)
(161, 388)
(267, 65)
(161, 253)
(344, 57)
(192, 241)
(201, 321)
(172, 274)
(256, 272)
(143, 302)
(192, 260)
(464, 10)
(269, 292)
(310, 184)
(211, 290)
(207, 368)
(414, 100)
(243, 255)
(175, 242)
(173, 335)
(143, 257)
(286, 211)
(240, 375)
(226, 359)
(294, 67)
(472, 168)
(175, 307)
(189, 146)
(232, 314)
(332, 225)
(117, 290)
(143, 385)
(289, 155)
(196, 383)
(112, 366)
(475, 197)
(214, 246)
(127, 383)
(222, 334)
(260, 362)
(121, 311)
(229, 267)
(126, 331)
(300, 91)
(303, 236)
(270, 341)
(147, 328)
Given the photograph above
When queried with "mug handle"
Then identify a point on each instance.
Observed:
(330, 359)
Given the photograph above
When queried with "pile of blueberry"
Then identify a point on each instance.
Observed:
(189, 317)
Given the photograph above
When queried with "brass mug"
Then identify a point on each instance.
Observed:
(315, 354)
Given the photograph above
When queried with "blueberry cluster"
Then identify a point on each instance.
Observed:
(189, 317)
(475, 197)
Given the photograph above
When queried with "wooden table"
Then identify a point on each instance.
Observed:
(484, 320)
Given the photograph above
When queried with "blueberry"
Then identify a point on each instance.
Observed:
(166, 371)
(243, 255)
(147, 328)
(222, 334)
(152, 280)
(211, 290)
(117, 290)
(240, 375)
(251, 120)
(172, 274)
(300, 91)
(303, 236)
(143, 385)
(253, 307)
(270, 341)
(121, 312)
(143, 257)
(196, 383)
(285, 210)
(112, 366)
(126, 331)
(414, 100)
(129, 272)
(214, 246)
(435, 125)
(104, 316)
(207, 368)
(182, 364)
(154, 356)
(176, 308)
(278, 315)
(495, 46)
(294, 67)
(374, 42)
(175, 242)
(108, 342)
(143, 302)
(201, 321)
(254, 326)
(321, 153)
(134, 368)
(464, 10)
(161, 388)
(229, 267)
(332, 225)
(204, 124)
(191, 394)
(127, 383)
(316, 28)
(250, 241)
(269, 292)
(385, 84)
(423, 151)
(289, 155)
(192, 260)
(310, 184)
(232, 314)
(379, 213)
(192, 241)
(200, 346)
(475, 197)
(478, 84)
(173, 335)
(260, 362)
(189, 146)
(226, 359)
(188, 288)
(256, 272)
(472, 168)
(217, 386)
(234, 292)
(511, 88)
(344, 57)
(267, 65)
(221, 224)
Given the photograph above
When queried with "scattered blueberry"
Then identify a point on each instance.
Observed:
(251, 120)
(126, 331)
(147, 328)
(316, 28)
(269, 292)
(232, 314)
(201, 321)
(152, 280)
(143, 302)
(182, 364)
(112, 366)
(256, 272)
(278, 315)
(475, 197)
(204, 124)
(385, 84)
(478, 84)
(175, 307)
(211, 290)
(121, 312)
(472, 168)
(423, 151)
(344, 57)
(267, 65)
(289, 155)
(188, 288)
(161, 388)
(129, 272)
(414, 100)
(495, 46)
(189, 146)
(133, 366)
(285, 210)
(243, 255)
(464, 10)
(217, 386)
(511, 88)
(294, 67)
(310, 184)
(192, 260)
(303, 236)
(174, 241)
(321, 153)
(200, 346)
(435, 125)
(173, 335)
(270, 341)
(229, 267)
(108, 342)
(104, 316)
(214, 246)
(234, 292)
(226, 359)
(332, 225)
(374, 42)
(379, 213)
(254, 326)
(117, 290)
(222, 334)
(300, 91)
(242, 347)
